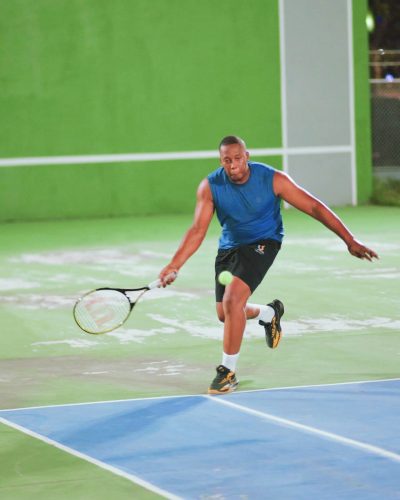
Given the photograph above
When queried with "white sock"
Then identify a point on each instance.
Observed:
(266, 312)
(230, 361)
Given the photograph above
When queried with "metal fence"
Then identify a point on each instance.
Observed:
(385, 106)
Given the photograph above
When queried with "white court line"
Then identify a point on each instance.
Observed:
(180, 155)
(284, 422)
(151, 398)
(103, 402)
(130, 477)
(331, 384)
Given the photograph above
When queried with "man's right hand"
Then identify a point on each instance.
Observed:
(168, 275)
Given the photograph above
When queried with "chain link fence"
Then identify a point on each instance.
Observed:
(385, 106)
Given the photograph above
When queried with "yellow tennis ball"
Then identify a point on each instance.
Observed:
(225, 277)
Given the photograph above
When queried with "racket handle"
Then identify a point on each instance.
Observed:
(157, 283)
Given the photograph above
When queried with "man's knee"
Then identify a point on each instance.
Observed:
(232, 302)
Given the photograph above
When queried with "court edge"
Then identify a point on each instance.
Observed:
(94, 461)
(199, 395)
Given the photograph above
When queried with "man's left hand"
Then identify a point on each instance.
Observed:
(359, 250)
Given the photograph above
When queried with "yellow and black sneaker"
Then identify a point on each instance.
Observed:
(224, 382)
(273, 330)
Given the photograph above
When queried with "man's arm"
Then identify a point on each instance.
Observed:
(299, 198)
(195, 234)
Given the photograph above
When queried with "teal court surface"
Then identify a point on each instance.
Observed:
(127, 412)
(306, 442)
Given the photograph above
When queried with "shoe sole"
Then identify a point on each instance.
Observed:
(276, 330)
(276, 333)
(226, 391)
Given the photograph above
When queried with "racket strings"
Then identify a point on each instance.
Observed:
(102, 310)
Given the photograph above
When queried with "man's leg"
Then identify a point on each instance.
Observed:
(232, 312)
(234, 305)
(269, 317)
(252, 311)
(233, 309)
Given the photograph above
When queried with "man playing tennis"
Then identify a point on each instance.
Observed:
(246, 197)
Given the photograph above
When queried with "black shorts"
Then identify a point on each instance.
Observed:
(250, 263)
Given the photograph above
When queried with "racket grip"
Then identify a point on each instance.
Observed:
(157, 283)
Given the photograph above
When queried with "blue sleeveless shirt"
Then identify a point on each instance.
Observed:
(248, 212)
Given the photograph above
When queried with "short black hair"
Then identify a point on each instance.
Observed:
(231, 139)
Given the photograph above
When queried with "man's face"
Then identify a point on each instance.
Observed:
(234, 160)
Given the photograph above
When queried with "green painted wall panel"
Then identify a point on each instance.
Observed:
(101, 190)
(98, 77)
(362, 102)
(105, 190)
(94, 76)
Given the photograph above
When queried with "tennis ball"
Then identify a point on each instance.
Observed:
(225, 277)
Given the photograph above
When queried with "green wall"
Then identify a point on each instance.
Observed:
(81, 77)
(362, 102)
(102, 190)
(94, 76)
(97, 77)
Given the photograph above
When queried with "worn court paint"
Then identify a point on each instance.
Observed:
(339, 339)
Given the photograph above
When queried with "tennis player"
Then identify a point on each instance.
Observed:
(246, 197)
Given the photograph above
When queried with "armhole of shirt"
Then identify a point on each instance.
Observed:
(211, 189)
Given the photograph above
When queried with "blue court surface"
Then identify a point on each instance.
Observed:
(337, 441)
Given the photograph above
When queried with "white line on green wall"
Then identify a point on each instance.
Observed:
(170, 156)
(351, 101)
(282, 49)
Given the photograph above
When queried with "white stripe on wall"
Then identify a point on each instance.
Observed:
(143, 157)
(282, 49)
(353, 165)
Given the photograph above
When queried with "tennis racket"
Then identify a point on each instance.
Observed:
(105, 309)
